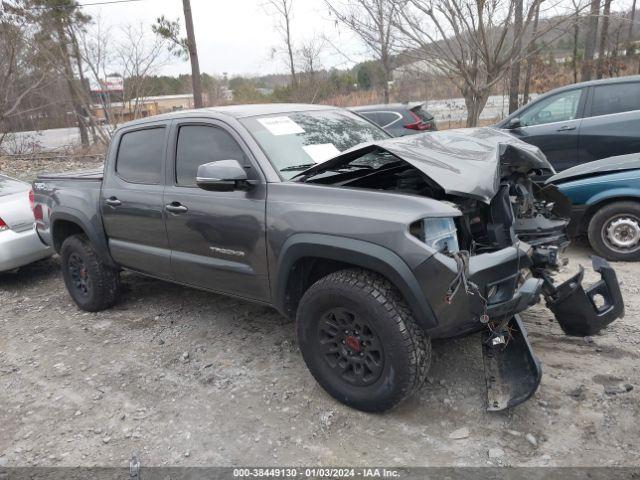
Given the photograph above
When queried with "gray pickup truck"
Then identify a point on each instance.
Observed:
(373, 245)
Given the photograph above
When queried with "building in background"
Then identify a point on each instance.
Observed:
(119, 112)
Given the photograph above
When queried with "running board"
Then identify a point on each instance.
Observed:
(512, 372)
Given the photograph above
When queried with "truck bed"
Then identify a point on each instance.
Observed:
(77, 192)
(96, 173)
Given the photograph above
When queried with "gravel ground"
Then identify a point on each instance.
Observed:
(190, 378)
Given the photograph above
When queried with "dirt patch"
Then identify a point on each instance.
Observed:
(190, 378)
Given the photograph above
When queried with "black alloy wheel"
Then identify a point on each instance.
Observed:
(351, 347)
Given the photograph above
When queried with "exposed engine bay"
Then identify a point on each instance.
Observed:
(498, 199)
(489, 177)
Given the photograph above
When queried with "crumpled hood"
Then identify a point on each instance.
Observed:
(463, 162)
(606, 165)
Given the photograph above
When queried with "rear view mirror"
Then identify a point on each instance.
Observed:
(514, 123)
(222, 176)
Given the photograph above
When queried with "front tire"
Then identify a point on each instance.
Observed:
(360, 341)
(92, 284)
(614, 231)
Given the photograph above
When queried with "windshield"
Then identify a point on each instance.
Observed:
(296, 141)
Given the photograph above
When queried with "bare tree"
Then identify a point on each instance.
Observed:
(576, 37)
(54, 26)
(632, 18)
(531, 53)
(138, 57)
(590, 40)
(471, 41)
(56, 23)
(284, 10)
(309, 55)
(95, 48)
(514, 81)
(373, 22)
(604, 37)
(19, 75)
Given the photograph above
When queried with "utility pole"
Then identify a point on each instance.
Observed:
(193, 56)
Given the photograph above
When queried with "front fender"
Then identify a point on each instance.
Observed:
(360, 254)
(613, 193)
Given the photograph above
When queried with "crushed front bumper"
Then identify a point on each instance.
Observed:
(512, 371)
(499, 293)
(581, 311)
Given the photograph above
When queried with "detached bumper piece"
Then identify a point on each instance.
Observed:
(583, 312)
(512, 372)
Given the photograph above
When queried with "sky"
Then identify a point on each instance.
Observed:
(236, 36)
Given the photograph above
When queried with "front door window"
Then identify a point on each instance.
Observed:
(561, 107)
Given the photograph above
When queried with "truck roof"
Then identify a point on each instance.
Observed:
(236, 111)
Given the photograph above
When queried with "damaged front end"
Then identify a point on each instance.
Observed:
(509, 241)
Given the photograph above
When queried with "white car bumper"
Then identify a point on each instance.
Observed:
(21, 248)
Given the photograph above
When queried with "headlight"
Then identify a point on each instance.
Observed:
(439, 233)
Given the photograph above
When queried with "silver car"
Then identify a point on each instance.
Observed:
(19, 242)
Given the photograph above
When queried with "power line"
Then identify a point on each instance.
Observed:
(108, 2)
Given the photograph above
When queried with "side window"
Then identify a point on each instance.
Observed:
(389, 118)
(616, 98)
(199, 144)
(140, 156)
(371, 116)
(557, 108)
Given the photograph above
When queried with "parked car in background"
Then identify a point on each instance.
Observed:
(399, 119)
(19, 243)
(582, 122)
(606, 204)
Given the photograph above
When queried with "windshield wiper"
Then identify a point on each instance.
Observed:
(295, 168)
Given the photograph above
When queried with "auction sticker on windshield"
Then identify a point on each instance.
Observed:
(281, 125)
(321, 152)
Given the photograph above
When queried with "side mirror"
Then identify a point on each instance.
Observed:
(514, 123)
(222, 176)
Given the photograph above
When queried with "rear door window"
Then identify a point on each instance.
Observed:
(200, 144)
(141, 155)
(615, 98)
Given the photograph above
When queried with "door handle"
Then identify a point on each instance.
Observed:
(176, 207)
(566, 128)
(113, 202)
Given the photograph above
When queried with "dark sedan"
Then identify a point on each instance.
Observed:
(583, 122)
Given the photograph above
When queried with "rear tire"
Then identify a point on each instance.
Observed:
(360, 341)
(92, 284)
(614, 231)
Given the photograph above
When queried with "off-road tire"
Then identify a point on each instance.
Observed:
(600, 219)
(406, 347)
(103, 281)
